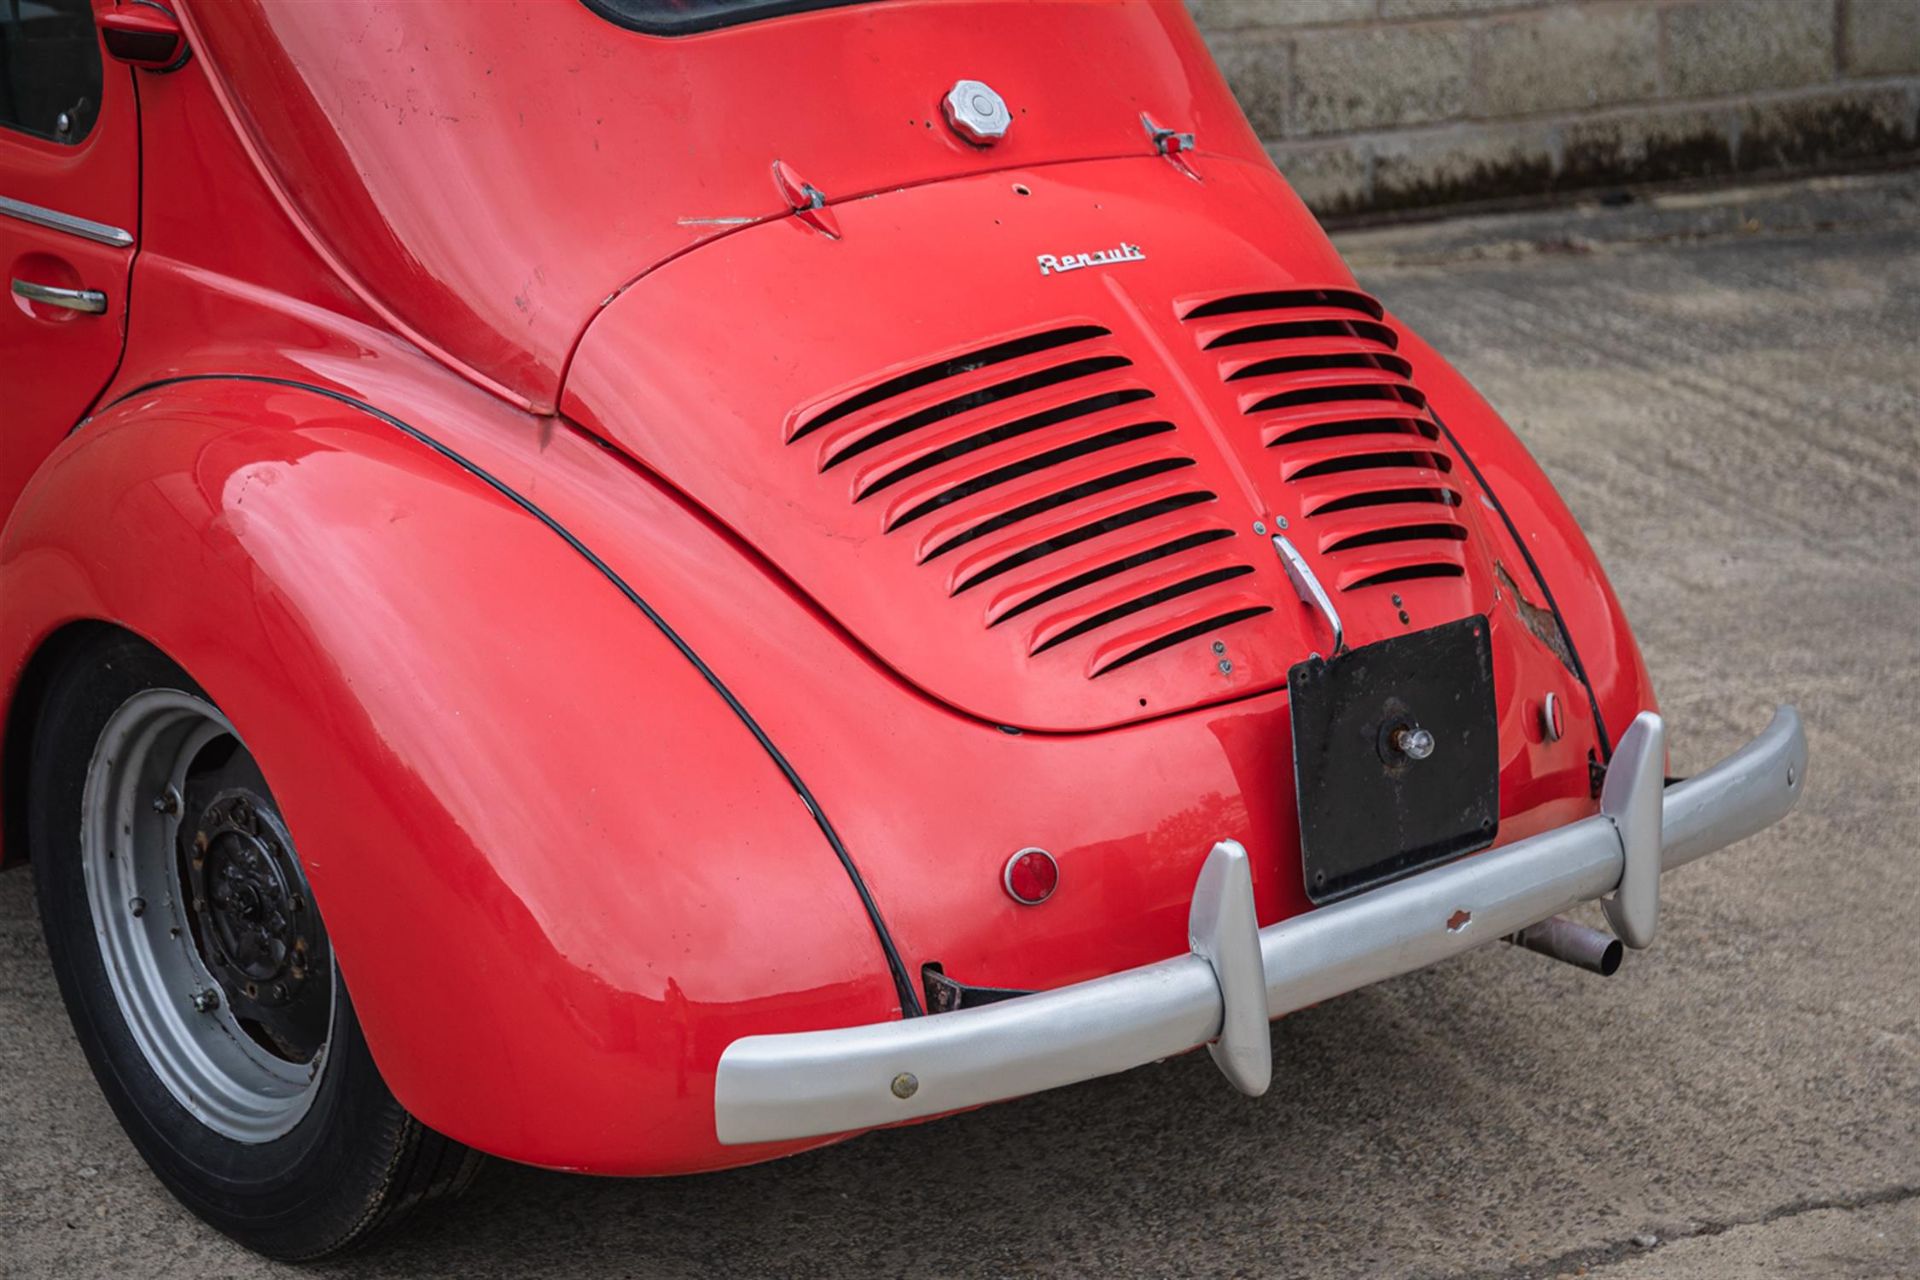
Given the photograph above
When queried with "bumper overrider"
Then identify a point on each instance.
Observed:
(1238, 976)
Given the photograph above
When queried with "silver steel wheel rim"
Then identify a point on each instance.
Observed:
(128, 845)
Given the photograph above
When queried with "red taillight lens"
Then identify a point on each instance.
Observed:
(1031, 876)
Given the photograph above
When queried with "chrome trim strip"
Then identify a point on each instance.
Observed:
(812, 1083)
(1749, 791)
(1300, 573)
(85, 228)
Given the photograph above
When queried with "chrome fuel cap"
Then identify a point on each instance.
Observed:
(975, 112)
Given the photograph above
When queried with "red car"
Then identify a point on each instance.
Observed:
(642, 585)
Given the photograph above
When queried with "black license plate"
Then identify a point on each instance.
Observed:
(1371, 808)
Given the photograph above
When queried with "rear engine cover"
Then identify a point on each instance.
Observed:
(1027, 435)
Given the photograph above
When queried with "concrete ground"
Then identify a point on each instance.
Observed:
(1727, 387)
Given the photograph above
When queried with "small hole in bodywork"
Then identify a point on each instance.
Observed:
(1022, 189)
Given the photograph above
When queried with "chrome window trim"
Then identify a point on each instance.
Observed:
(54, 220)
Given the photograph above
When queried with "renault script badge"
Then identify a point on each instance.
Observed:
(1122, 252)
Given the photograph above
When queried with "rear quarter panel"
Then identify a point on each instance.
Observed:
(551, 860)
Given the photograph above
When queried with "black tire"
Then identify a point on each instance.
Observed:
(355, 1162)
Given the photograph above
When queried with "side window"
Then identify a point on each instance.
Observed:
(49, 68)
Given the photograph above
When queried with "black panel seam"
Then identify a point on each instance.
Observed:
(1540, 580)
(909, 998)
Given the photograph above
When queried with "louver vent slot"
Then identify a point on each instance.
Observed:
(1317, 373)
(1000, 353)
(1038, 476)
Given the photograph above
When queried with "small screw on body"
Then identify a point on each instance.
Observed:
(905, 1085)
(167, 802)
(1279, 522)
(137, 907)
(1260, 526)
(1219, 646)
(1226, 666)
(206, 1001)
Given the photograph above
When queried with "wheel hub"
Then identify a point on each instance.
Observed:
(253, 921)
(247, 910)
(210, 938)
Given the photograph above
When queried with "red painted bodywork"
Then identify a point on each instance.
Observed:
(560, 872)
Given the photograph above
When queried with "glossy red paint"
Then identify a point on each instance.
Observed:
(497, 767)
(923, 274)
(143, 36)
(569, 156)
(54, 362)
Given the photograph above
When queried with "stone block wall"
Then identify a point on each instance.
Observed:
(1380, 105)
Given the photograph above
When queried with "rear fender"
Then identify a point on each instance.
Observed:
(1542, 547)
(560, 872)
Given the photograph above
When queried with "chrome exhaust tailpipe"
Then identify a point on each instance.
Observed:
(1564, 939)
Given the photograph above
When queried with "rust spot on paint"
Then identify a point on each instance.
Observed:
(1459, 920)
(1536, 618)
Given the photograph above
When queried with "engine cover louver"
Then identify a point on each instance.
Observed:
(1315, 372)
(1042, 476)
(1048, 502)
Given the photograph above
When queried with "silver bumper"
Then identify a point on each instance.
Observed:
(1237, 976)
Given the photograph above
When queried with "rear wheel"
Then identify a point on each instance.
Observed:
(197, 970)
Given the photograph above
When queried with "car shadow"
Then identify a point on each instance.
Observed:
(1374, 1104)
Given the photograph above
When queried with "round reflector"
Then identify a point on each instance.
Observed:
(1031, 876)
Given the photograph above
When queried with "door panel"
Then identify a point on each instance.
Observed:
(69, 208)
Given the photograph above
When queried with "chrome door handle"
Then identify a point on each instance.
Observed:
(90, 302)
